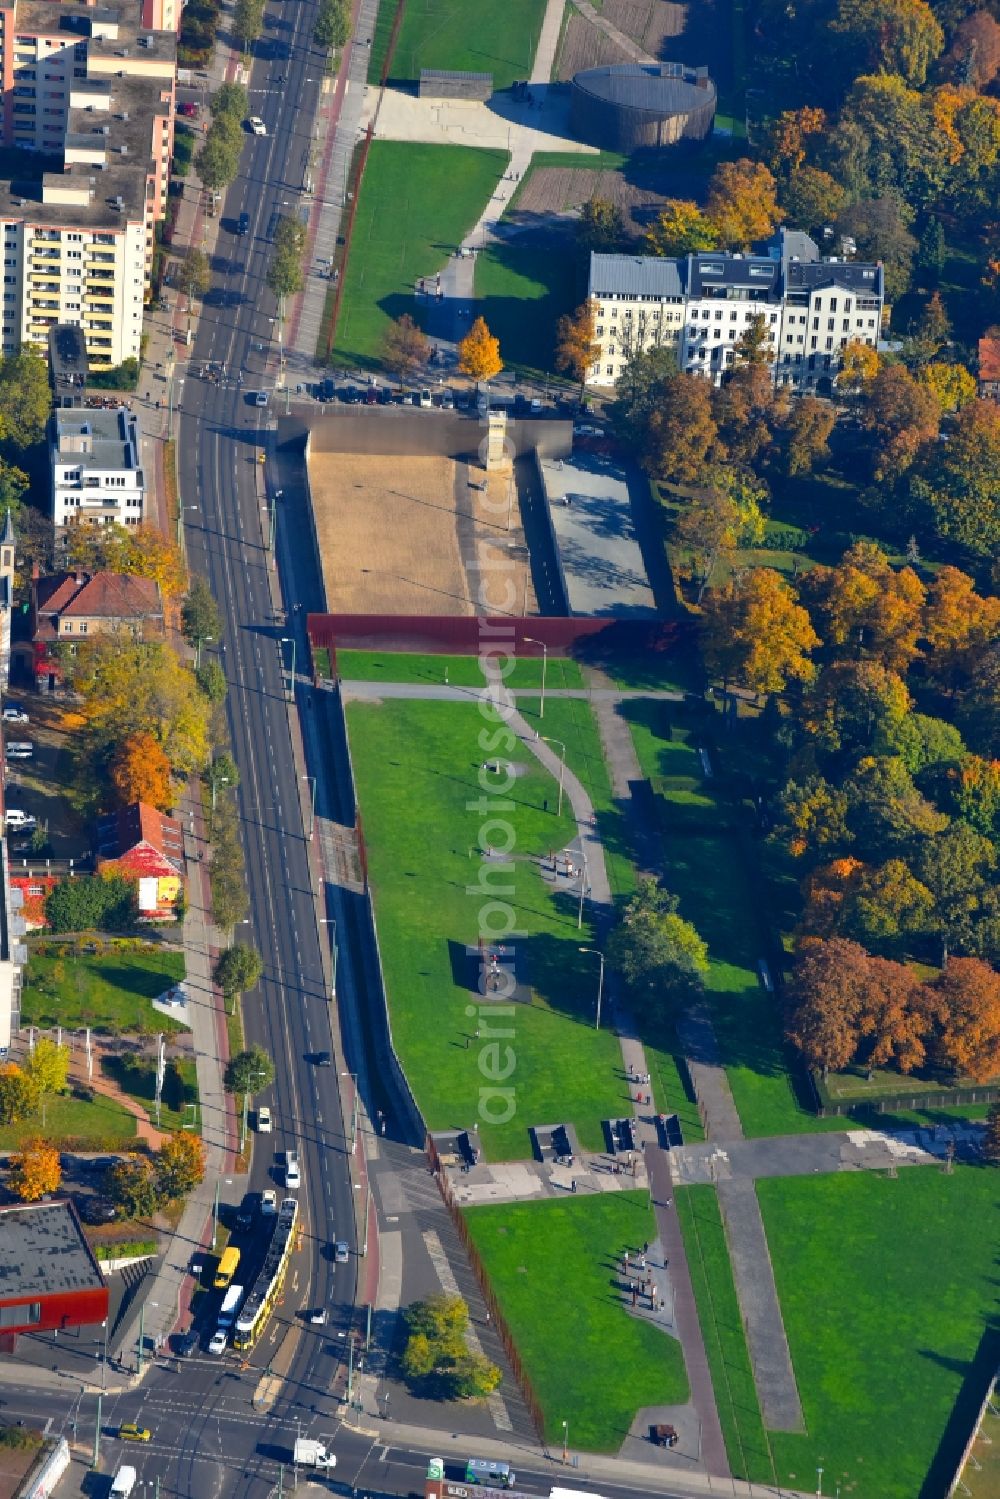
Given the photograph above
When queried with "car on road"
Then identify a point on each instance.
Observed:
(318, 1318)
(131, 1431)
(323, 1059)
(13, 714)
(261, 398)
(264, 1125)
(269, 1202)
(185, 1345)
(256, 125)
(16, 818)
(243, 224)
(293, 1175)
(247, 1212)
(447, 401)
(341, 1253)
(328, 389)
(218, 1341)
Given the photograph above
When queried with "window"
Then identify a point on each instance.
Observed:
(833, 304)
(83, 627)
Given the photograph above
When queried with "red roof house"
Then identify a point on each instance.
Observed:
(148, 846)
(70, 607)
(989, 368)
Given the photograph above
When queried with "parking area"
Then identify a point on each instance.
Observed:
(38, 784)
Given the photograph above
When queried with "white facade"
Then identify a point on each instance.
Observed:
(638, 305)
(97, 477)
(713, 328)
(13, 953)
(815, 330)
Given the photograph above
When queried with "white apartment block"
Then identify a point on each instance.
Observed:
(85, 85)
(97, 477)
(13, 953)
(811, 308)
(638, 305)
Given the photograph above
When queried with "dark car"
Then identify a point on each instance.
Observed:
(371, 395)
(100, 1163)
(94, 1210)
(185, 1345)
(243, 224)
(328, 389)
(323, 1059)
(385, 396)
(248, 1208)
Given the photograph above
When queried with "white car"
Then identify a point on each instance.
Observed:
(264, 1125)
(17, 819)
(13, 714)
(220, 1339)
(583, 429)
(318, 1318)
(293, 1176)
(257, 126)
(269, 1201)
(261, 398)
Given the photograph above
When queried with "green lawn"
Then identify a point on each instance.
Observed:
(524, 284)
(887, 1287)
(417, 766)
(722, 1329)
(180, 1089)
(553, 1266)
(102, 1122)
(416, 204)
(495, 36)
(109, 991)
(461, 671)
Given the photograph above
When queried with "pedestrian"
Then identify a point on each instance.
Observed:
(545, 804)
(645, 1247)
(635, 1293)
(573, 1185)
(626, 1259)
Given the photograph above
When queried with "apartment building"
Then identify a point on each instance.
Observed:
(84, 88)
(13, 953)
(97, 477)
(812, 306)
(639, 305)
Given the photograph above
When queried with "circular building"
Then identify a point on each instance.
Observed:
(638, 106)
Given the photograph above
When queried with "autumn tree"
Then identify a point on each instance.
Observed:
(34, 1170)
(789, 136)
(746, 407)
(806, 431)
(957, 625)
(855, 706)
(885, 906)
(140, 551)
(640, 390)
(826, 998)
(680, 229)
(742, 203)
(965, 1001)
(140, 772)
(756, 633)
(903, 416)
(859, 364)
(681, 432)
(479, 353)
(436, 1356)
(812, 198)
(131, 1185)
(714, 521)
(601, 227)
(180, 1165)
(659, 954)
(901, 37)
(865, 606)
(893, 1021)
(811, 818)
(959, 490)
(46, 1069)
(880, 225)
(974, 55)
(18, 1097)
(952, 385)
(576, 342)
(405, 348)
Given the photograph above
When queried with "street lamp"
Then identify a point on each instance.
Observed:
(312, 805)
(562, 767)
(600, 981)
(545, 661)
(354, 1111)
(331, 921)
(215, 1216)
(565, 1427)
(290, 640)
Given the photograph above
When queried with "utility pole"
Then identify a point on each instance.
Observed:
(97, 1436)
(142, 1336)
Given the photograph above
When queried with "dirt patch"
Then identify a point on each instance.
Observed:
(401, 535)
(552, 190)
(665, 29)
(585, 46)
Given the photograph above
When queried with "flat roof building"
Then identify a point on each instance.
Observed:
(96, 466)
(49, 1277)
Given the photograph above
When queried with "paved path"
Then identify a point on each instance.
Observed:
(145, 1129)
(440, 692)
(758, 1297)
(708, 1076)
(627, 45)
(808, 1155)
(548, 42)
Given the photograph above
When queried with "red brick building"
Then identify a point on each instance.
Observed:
(148, 846)
(48, 1276)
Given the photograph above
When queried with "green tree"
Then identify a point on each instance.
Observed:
(990, 1143)
(200, 616)
(91, 903)
(886, 812)
(250, 1071)
(230, 99)
(248, 22)
(601, 227)
(223, 774)
(754, 345)
(333, 23)
(886, 907)
(959, 489)
(879, 227)
(18, 1097)
(46, 1068)
(285, 275)
(955, 867)
(131, 1185)
(812, 198)
(211, 681)
(921, 741)
(193, 276)
(436, 1355)
(640, 390)
(657, 952)
(474, 1377)
(238, 969)
(812, 819)
(25, 397)
(932, 249)
(218, 161)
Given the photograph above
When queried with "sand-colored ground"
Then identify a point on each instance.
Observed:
(399, 535)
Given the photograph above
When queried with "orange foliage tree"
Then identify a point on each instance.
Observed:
(35, 1170)
(180, 1165)
(742, 203)
(140, 772)
(965, 998)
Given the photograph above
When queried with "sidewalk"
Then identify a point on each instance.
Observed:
(169, 1290)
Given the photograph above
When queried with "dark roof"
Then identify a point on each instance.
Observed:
(658, 88)
(852, 275)
(43, 1252)
(8, 539)
(708, 273)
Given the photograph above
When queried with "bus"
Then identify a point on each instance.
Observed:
(231, 1304)
(227, 1268)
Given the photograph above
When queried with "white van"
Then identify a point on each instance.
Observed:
(124, 1483)
(19, 749)
(16, 818)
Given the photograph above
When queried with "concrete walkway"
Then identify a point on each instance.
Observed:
(708, 1076)
(441, 692)
(166, 1295)
(810, 1155)
(548, 42)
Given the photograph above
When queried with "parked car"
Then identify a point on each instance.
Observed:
(426, 399)
(584, 429)
(189, 111)
(268, 1202)
(95, 1210)
(263, 1120)
(131, 1431)
(17, 818)
(13, 714)
(261, 398)
(218, 1341)
(256, 125)
(19, 749)
(447, 400)
(248, 1208)
(185, 1345)
(328, 389)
